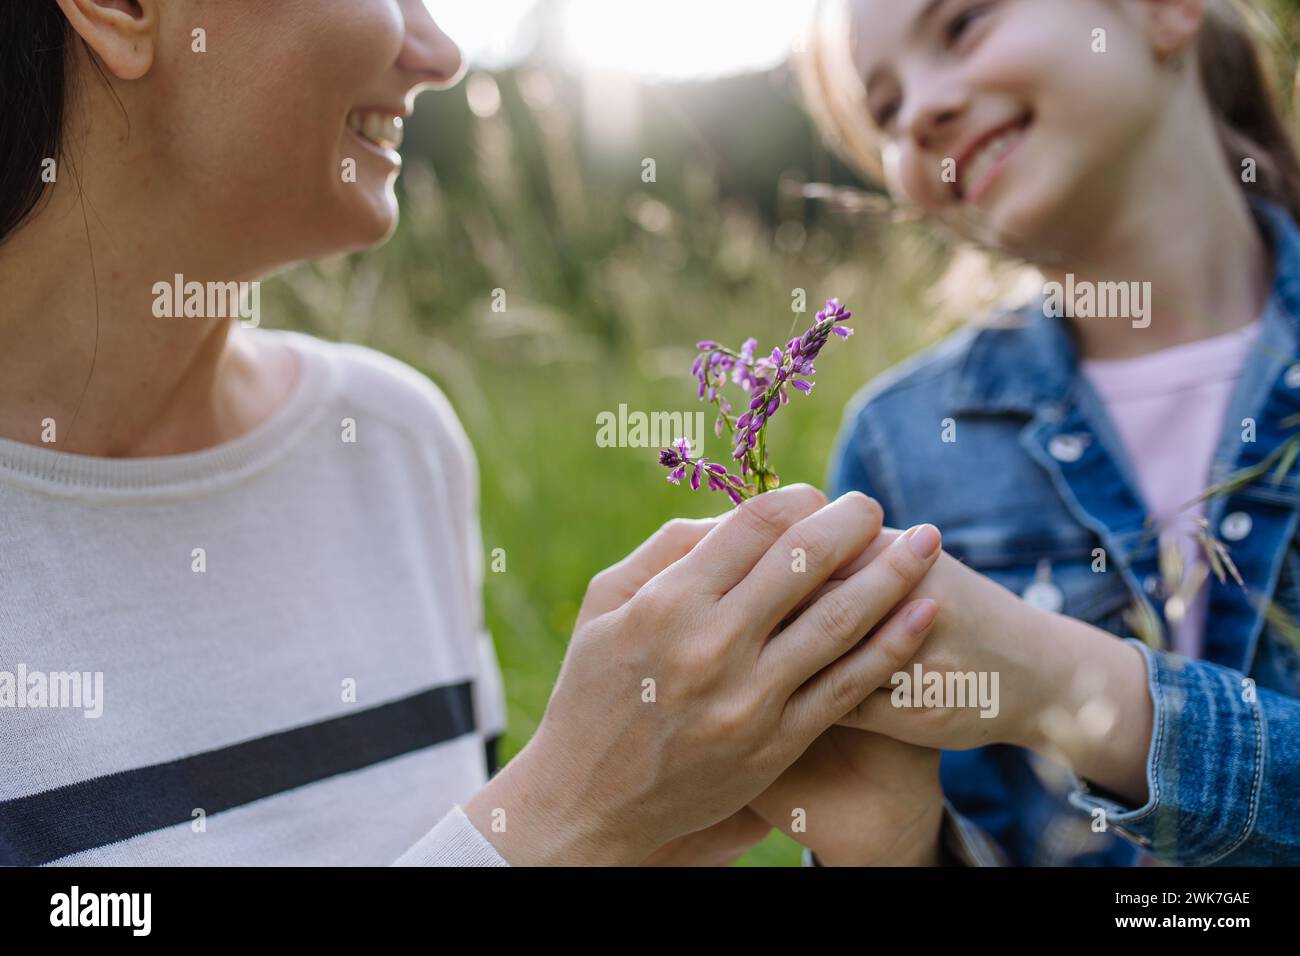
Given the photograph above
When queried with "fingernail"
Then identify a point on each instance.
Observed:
(923, 540)
(921, 615)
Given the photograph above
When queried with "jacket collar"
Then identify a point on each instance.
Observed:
(1028, 359)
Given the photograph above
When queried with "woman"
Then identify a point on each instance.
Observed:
(265, 546)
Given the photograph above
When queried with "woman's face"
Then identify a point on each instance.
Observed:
(281, 135)
(1008, 119)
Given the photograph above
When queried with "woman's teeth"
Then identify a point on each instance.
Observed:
(989, 155)
(382, 129)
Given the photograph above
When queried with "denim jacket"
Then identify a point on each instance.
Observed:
(1035, 482)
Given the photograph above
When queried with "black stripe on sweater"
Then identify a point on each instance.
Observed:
(46, 826)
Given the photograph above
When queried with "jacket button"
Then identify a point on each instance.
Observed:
(1044, 595)
(1292, 377)
(1067, 448)
(1235, 526)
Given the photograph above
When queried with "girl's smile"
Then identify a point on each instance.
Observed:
(981, 164)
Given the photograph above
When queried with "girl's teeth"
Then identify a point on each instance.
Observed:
(382, 130)
(988, 157)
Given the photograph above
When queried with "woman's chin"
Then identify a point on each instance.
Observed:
(372, 219)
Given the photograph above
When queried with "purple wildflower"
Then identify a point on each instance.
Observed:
(678, 458)
(767, 382)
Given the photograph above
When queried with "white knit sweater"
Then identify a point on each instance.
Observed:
(268, 652)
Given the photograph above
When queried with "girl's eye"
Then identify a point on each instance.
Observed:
(959, 24)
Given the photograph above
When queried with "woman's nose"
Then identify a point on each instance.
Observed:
(426, 50)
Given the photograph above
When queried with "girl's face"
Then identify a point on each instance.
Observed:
(1005, 118)
(280, 137)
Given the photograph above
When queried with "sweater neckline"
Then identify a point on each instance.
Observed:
(1205, 362)
(67, 474)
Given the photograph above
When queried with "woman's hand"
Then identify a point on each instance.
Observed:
(1040, 680)
(859, 799)
(674, 709)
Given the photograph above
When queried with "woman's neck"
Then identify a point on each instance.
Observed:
(80, 344)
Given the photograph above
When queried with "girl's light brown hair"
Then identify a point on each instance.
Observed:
(1241, 91)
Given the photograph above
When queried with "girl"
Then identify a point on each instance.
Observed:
(250, 559)
(1102, 141)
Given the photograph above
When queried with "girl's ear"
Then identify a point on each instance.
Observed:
(1173, 26)
(122, 33)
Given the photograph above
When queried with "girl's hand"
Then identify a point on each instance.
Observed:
(673, 710)
(983, 630)
(719, 845)
(859, 799)
(1052, 684)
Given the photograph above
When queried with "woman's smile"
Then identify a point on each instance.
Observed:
(380, 131)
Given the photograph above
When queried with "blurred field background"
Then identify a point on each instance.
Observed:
(527, 178)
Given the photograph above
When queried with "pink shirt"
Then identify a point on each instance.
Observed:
(1168, 408)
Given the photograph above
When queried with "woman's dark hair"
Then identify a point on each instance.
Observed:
(33, 41)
